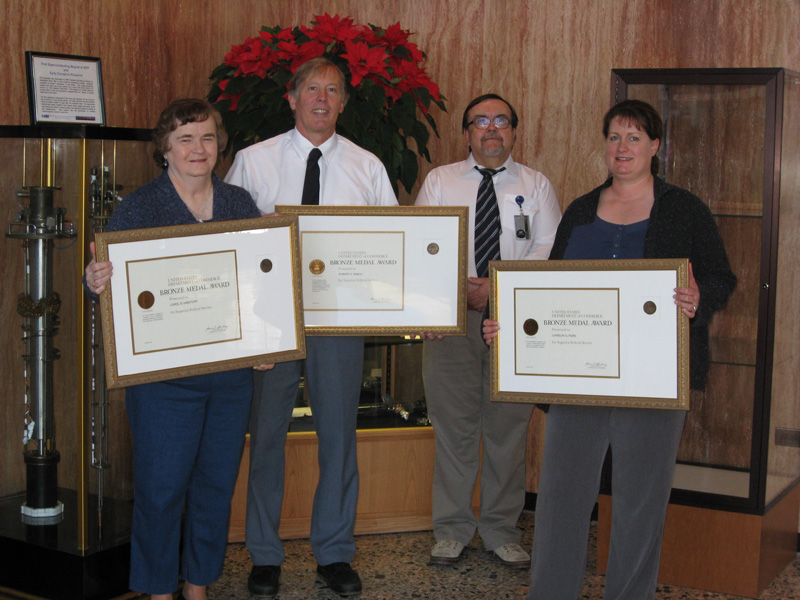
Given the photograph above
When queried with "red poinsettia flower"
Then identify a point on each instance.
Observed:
(395, 36)
(392, 92)
(251, 58)
(235, 57)
(328, 29)
(368, 35)
(416, 53)
(416, 77)
(364, 61)
(408, 74)
(412, 77)
(284, 35)
(297, 54)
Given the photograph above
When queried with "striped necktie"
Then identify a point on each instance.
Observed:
(487, 223)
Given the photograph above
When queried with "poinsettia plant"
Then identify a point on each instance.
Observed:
(390, 92)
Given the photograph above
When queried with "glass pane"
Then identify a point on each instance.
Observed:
(714, 146)
(15, 158)
(783, 463)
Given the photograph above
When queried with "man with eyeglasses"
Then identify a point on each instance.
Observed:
(514, 214)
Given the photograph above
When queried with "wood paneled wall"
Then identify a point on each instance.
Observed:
(550, 58)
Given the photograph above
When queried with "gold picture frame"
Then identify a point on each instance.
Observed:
(590, 332)
(200, 298)
(383, 270)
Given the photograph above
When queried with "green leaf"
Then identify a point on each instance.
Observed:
(409, 170)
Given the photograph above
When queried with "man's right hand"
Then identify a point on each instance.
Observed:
(478, 293)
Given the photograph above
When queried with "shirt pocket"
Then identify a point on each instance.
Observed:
(510, 209)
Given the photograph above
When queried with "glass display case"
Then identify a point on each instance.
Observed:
(732, 136)
(82, 551)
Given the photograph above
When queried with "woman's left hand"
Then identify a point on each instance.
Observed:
(688, 298)
(264, 367)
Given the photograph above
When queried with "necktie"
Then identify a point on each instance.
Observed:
(311, 182)
(487, 223)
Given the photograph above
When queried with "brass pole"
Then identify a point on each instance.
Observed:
(83, 471)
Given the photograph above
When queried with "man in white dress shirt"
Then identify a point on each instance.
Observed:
(517, 214)
(312, 164)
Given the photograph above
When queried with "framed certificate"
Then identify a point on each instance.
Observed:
(200, 298)
(63, 88)
(590, 332)
(382, 270)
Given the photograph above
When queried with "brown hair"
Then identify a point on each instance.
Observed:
(643, 116)
(180, 112)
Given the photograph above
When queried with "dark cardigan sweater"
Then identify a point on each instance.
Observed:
(681, 226)
(157, 204)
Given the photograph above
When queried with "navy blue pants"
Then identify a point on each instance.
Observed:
(188, 436)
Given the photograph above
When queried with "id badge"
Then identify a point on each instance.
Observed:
(522, 227)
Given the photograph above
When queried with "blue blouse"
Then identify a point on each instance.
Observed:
(601, 240)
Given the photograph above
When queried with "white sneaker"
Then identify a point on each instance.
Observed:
(446, 552)
(513, 555)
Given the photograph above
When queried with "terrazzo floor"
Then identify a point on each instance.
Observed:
(395, 567)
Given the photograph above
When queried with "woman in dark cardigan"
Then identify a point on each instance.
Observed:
(634, 214)
(188, 433)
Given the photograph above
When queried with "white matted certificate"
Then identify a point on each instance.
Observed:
(382, 270)
(590, 332)
(200, 298)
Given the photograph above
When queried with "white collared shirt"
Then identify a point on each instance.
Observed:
(273, 171)
(457, 185)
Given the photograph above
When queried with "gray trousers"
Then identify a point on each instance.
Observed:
(455, 371)
(333, 370)
(644, 445)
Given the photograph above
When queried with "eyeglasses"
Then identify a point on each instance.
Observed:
(483, 122)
